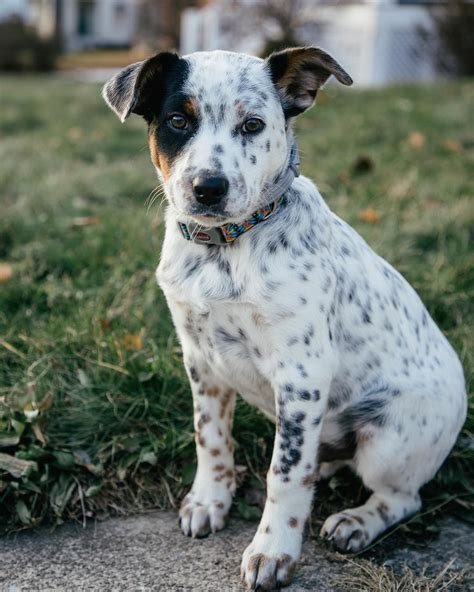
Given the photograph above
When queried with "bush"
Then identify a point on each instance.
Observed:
(22, 49)
(454, 22)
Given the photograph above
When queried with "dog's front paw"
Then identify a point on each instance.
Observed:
(200, 514)
(265, 566)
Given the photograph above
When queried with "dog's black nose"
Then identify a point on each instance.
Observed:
(210, 190)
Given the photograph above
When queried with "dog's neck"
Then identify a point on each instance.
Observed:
(228, 233)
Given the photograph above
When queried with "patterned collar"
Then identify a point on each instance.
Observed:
(228, 233)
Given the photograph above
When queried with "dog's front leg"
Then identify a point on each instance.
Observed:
(206, 506)
(300, 396)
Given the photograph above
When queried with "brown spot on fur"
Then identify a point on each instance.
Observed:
(200, 440)
(308, 481)
(158, 159)
(255, 560)
(215, 451)
(191, 108)
(204, 418)
(220, 505)
(213, 391)
(293, 522)
(219, 467)
(285, 560)
(224, 402)
(267, 529)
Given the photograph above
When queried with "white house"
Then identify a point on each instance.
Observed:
(377, 41)
(81, 23)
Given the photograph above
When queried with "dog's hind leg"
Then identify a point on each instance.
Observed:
(384, 461)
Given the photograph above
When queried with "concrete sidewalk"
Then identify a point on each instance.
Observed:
(148, 552)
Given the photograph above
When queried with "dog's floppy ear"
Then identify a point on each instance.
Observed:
(299, 72)
(131, 89)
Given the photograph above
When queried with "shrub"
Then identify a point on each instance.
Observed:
(454, 22)
(22, 49)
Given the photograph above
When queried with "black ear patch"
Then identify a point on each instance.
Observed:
(140, 87)
(299, 73)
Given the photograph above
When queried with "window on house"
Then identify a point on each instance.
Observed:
(120, 11)
(85, 17)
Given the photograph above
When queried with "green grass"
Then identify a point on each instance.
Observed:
(91, 383)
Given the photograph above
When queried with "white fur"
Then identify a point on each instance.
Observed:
(303, 320)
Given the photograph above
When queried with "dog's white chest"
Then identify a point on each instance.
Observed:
(229, 338)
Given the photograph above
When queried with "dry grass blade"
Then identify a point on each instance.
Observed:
(12, 349)
(106, 365)
(369, 577)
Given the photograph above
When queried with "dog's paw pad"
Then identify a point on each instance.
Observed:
(260, 571)
(346, 533)
(197, 520)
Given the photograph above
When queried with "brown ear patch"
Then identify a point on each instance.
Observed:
(298, 73)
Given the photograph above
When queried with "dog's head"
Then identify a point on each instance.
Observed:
(218, 122)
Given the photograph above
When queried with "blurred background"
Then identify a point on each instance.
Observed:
(378, 41)
(95, 407)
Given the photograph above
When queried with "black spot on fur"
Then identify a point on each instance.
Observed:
(291, 434)
(370, 410)
(194, 374)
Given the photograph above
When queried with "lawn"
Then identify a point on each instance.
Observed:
(95, 410)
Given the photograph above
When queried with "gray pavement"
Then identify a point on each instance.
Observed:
(148, 552)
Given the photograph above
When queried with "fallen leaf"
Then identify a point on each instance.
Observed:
(369, 215)
(85, 221)
(30, 411)
(104, 324)
(453, 146)
(16, 466)
(6, 272)
(8, 439)
(23, 512)
(416, 140)
(46, 402)
(75, 133)
(39, 434)
(322, 97)
(132, 342)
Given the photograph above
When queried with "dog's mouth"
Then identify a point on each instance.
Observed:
(209, 216)
(209, 220)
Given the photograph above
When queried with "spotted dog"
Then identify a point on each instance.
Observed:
(274, 297)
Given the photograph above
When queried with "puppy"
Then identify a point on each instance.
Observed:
(274, 297)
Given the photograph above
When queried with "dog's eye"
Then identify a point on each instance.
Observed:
(178, 121)
(252, 125)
